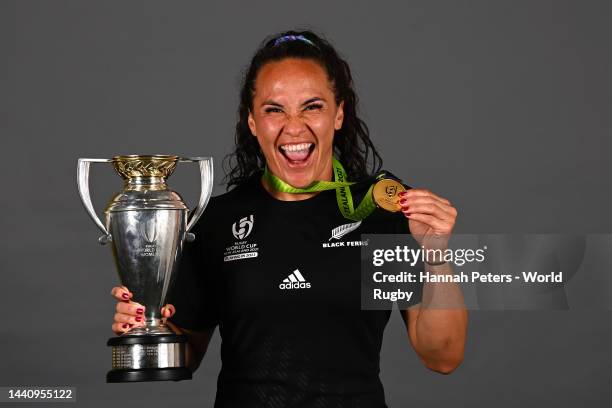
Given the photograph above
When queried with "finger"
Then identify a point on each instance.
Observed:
(409, 202)
(442, 224)
(423, 199)
(130, 308)
(431, 209)
(437, 224)
(130, 319)
(412, 193)
(168, 311)
(421, 192)
(428, 206)
(121, 293)
(120, 328)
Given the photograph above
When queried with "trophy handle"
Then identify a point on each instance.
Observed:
(206, 180)
(83, 184)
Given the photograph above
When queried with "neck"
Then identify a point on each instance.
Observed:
(279, 195)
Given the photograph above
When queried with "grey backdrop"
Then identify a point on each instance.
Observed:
(502, 107)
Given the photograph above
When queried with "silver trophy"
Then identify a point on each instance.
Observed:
(146, 224)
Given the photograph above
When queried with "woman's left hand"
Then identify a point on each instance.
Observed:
(431, 218)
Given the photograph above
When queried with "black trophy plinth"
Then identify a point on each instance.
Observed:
(148, 358)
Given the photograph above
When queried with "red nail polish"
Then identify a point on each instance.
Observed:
(402, 201)
(125, 325)
(140, 310)
(125, 296)
(138, 318)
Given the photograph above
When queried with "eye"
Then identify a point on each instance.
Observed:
(271, 109)
(314, 106)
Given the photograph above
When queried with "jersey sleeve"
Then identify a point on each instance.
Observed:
(193, 292)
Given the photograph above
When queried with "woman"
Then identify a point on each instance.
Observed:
(262, 268)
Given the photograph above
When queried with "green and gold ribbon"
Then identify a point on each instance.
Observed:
(342, 187)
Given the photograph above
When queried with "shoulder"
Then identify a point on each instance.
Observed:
(226, 204)
(387, 222)
(232, 198)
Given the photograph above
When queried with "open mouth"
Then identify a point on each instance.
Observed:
(297, 154)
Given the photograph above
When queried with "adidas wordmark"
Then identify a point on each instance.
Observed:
(295, 280)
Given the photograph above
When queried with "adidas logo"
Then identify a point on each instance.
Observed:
(295, 280)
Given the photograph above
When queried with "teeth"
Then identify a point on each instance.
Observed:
(296, 147)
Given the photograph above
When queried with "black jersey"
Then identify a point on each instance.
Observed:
(285, 292)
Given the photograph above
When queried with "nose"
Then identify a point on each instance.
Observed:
(294, 126)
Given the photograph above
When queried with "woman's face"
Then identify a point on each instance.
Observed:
(294, 117)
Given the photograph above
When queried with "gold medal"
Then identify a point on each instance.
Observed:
(386, 194)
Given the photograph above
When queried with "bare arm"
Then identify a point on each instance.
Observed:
(437, 327)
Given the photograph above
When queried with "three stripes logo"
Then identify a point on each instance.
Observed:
(295, 280)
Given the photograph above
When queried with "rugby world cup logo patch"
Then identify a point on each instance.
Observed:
(243, 228)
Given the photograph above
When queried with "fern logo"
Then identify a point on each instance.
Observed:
(344, 229)
(243, 228)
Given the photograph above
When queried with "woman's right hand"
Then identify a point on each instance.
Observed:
(130, 314)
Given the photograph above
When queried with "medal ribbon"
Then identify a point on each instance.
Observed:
(342, 187)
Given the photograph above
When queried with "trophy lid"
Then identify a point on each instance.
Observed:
(135, 165)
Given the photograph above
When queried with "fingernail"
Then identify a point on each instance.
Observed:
(402, 201)
(402, 193)
(125, 325)
(140, 310)
(125, 296)
(138, 318)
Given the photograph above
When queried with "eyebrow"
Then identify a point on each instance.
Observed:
(273, 103)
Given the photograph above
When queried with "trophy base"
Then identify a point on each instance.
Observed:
(148, 374)
(148, 358)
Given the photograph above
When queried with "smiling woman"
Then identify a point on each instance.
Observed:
(294, 118)
(299, 102)
(276, 262)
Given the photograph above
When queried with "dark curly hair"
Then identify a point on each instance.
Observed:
(352, 144)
